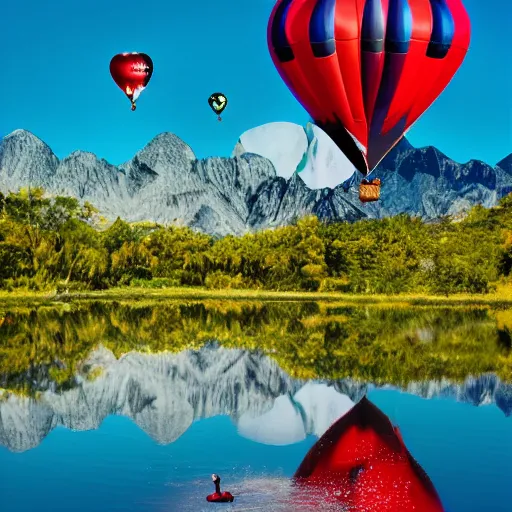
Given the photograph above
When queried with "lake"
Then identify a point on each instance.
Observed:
(110, 406)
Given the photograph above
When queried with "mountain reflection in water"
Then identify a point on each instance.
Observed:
(278, 373)
(165, 393)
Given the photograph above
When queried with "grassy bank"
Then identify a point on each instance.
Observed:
(502, 297)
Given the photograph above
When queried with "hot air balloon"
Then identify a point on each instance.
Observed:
(362, 462)
(366, 70)
(359, 464)
(132, 73)
(218, 102)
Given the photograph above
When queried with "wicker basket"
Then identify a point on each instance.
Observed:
(369, 190)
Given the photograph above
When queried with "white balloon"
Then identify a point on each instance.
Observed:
(292, 148)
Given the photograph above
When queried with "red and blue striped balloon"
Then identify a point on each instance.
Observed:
(366, 70)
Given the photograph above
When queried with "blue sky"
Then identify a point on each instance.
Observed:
(55, 77)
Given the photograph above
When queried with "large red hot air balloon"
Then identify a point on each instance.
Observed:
(365, 70)
(131, 72)
(363, 463)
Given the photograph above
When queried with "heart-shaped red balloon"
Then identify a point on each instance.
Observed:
(131, 72)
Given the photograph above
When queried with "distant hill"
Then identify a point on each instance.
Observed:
(166, 183)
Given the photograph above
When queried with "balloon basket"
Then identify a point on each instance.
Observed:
(369, 191)
(219, 118)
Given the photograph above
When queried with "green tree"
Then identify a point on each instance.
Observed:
(84, 258)
(179, 254)
(117, 235)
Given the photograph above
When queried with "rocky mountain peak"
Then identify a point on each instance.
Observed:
(506, 164)
(277, 173)
(165, 151)
(25, 138)
(83, 175)
(25, 160)
(82, 155)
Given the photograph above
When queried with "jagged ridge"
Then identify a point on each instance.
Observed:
(166, 183)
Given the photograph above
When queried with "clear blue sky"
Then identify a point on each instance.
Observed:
(55, 81)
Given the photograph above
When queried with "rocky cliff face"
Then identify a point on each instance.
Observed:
(164, 182)
(25, 160)
(427, 183)
(163, 394)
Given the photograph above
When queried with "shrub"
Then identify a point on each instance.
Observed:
(155, 283)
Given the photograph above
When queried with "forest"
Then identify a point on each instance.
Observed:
(58, 243)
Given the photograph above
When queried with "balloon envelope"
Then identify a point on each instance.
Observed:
(132, 73)
(307, 150)
(362, 462)
(365, 70)
(218, 102)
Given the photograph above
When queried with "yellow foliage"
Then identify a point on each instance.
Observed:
(322, 340)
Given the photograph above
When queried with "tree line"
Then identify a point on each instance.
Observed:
(48, 242)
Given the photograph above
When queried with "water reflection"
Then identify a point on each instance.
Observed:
(164, 393)
(46, 348)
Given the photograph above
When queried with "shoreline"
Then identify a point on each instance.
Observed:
(500, 298)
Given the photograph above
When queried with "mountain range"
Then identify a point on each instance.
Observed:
(164, 393)
(291, 177)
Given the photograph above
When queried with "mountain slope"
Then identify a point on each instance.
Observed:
(164, 182)
(25, 160)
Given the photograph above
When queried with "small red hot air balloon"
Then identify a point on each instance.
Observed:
(362, 462)
(132, 73)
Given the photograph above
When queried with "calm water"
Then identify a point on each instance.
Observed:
(131, 407)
